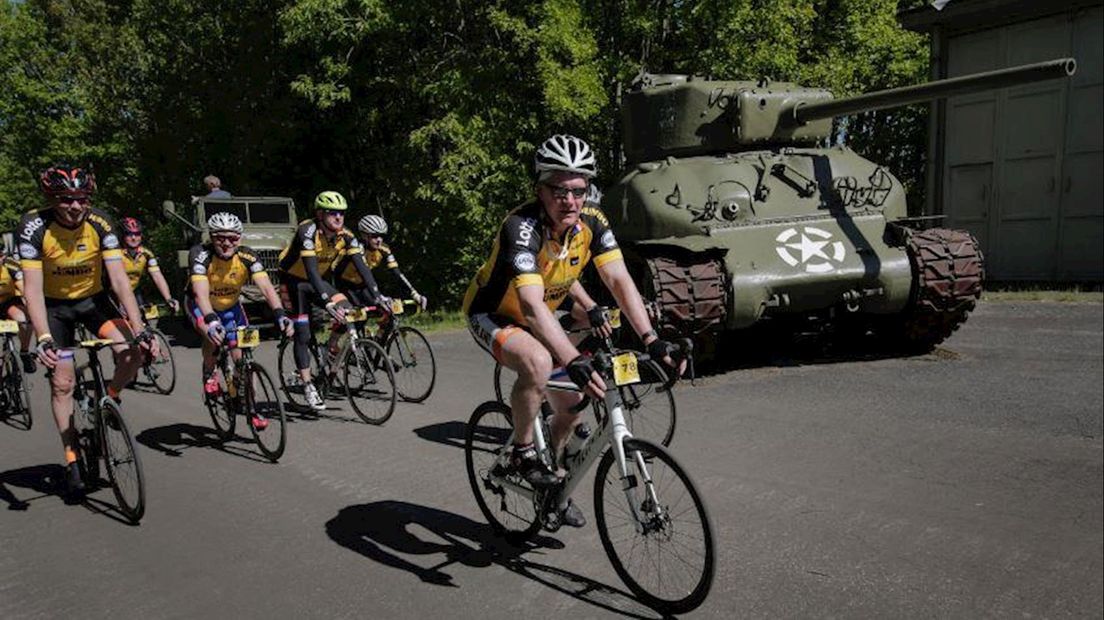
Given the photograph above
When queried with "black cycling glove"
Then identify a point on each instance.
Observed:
(579, 370)
(597, 316)
(660, 348)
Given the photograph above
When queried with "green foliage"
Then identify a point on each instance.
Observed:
(424, 112)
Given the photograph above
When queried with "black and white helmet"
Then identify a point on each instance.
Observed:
(594, 195)
(224, 222)
(372, 225)
(566, 153)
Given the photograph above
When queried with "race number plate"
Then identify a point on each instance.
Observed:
(396, 306)
(356, 315)
(249, 337)
(153, 312)
(615, 317)
(9, 327)
(625, 369)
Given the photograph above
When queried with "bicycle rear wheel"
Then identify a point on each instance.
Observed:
(504, 380)
(670, 564)
(124, 468)
(161, 370)
(413, 362)
(486, 441)
(262, 399)
(222, 409)
(369, 381)
(290, 381)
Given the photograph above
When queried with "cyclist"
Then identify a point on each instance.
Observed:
(371, 230)
(68, 252)
(11, 305)
(217, 271)
(539, 252)
(138, 260)
(308, 257)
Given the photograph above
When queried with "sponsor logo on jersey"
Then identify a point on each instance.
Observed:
(28, 251)
(608, 240)
(525, 231)
(31, 228)
(525, 262)
(110, 241)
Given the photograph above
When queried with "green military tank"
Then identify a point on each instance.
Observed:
(733, 210)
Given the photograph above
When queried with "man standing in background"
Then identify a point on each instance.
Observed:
(214, 187)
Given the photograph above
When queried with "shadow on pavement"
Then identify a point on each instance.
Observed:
(447, 433)
(386, 531)
(173, 439)
(42, 479)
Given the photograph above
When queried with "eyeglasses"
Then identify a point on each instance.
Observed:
(561, 192)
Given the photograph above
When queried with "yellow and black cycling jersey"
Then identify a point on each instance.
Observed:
(346, 271)
(310, 240)
(225, 277)
(11, 281)
(137, 261)
(71, 259)
(524, 254)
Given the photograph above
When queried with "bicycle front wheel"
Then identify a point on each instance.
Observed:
(369, 381)
(161, 370)
(649, 405)
(124, 469)
(222, 409)
(655, 528)
(265, 411)
(413, 362)
(486, 446)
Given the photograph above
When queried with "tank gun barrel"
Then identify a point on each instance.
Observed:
(801, 112)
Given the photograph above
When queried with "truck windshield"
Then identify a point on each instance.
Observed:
(269, 214)
(234, 209)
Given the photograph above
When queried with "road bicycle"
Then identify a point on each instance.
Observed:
(103, 436)
(15, 389)
(649, 404)
(160, 371)
(358, 369)
(410, 354)
(650, 516)
(247, 390)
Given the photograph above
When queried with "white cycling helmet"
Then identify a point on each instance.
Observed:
(594, 195)
(566, 153)
(224, 222)
(372, 225)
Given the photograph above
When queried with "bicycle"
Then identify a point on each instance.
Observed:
(410, 354)
(102, 434)
(649, 404)
(246, 389)
(367, 378)
(15, 389)
(664, 513)
(159, 371)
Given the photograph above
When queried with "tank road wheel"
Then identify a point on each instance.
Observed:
(688, 293)
(948, 270)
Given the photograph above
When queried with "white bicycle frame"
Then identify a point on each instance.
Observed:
(612, 429)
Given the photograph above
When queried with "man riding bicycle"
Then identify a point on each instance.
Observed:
(138, 260)
(12, 307)
(217, 271)
(371, 229)
(68, 252)
(539, 252)
(303, 263)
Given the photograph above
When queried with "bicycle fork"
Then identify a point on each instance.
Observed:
(620, 432)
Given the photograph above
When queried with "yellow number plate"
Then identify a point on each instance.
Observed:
(249, 337)
(615, 317)
(355, 315)
(9, 327)
(625, 369)
(153, 312)
(396, 306)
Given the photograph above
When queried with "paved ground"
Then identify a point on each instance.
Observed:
(966, 483)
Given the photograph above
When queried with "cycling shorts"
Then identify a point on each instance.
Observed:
(491, 331)
(96, 313)
(298, 295)
(231, 318)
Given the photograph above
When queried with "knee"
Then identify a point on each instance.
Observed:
(62, 386)
(535, 367)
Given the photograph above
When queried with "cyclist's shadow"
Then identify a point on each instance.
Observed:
(45, 480)
(383, 530)
(173, 439)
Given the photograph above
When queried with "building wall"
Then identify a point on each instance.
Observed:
(1023, 168)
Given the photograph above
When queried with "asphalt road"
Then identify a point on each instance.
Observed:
(966, 483)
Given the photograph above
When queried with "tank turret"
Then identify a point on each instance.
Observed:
(732, 209)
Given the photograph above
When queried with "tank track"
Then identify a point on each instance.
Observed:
(690, 295)
(948, 270)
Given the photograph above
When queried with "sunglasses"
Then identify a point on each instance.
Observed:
(335, 213)
(225, 238)
(561, 192)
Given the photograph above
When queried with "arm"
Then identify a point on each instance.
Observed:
(159, 281)
(260, 278)
(616, 277)
(366, 275)
(36, 302)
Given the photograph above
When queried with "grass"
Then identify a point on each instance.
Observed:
(1033, 292)
(437, 320)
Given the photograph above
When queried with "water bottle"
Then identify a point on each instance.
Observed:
(575, 443)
